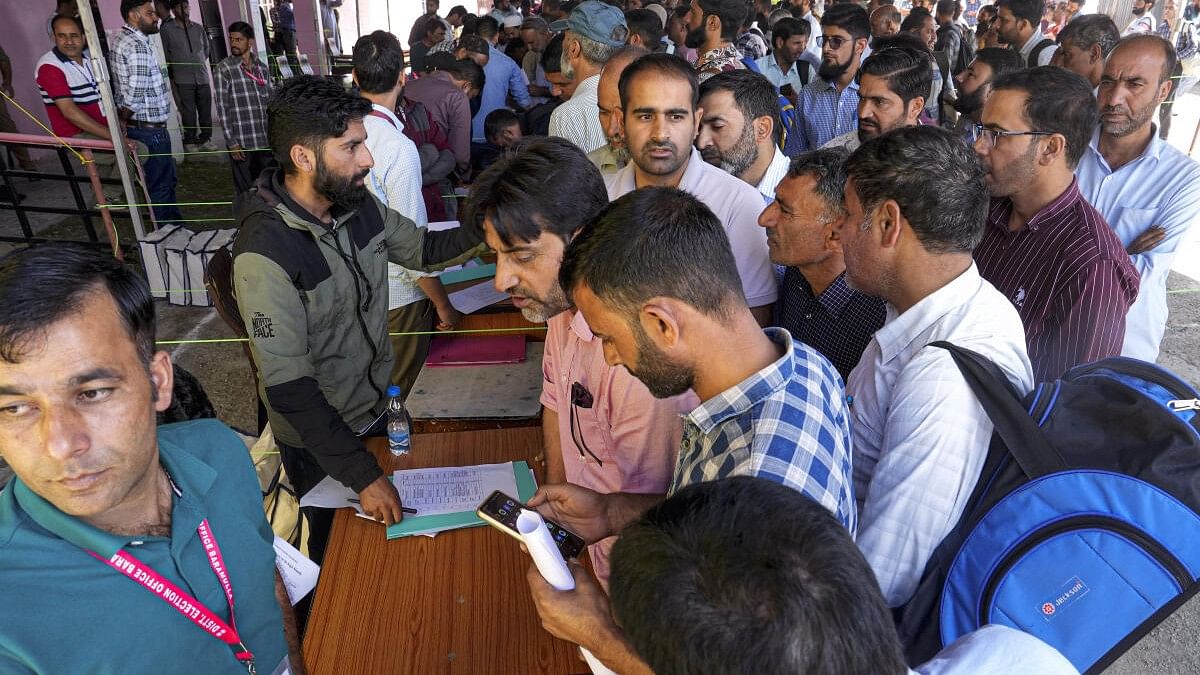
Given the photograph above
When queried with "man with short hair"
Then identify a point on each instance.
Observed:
(396, 181)
(1142, 22)
(783, 66)
(712, 27)
(421, 25)
(920, 434)
(645, 29)
(101, 494)
(975, 86)
(503, 78)
(143, 103)
(1084, 44)
(1148, 191)
(446, 93)
(1045, 247)
(432, 33)
(613, 155)
(310, 274)
(659, 99)
(594, 32)
(740, 129)
(803, 10)
(536, 34)
(949, 36)
(603, 429)
(185, 45)
(654, 277)
(885, 22)
(243, 88)
(892, 86)
(1018, 23)
(815, 304)
(474, 48)
(829, 106)
(693, 597)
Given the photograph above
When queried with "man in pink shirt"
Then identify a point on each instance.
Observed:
(602, 427)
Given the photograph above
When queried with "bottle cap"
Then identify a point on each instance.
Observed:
(393, 390)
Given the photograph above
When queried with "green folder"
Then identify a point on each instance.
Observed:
(419, 524)
(468, 273)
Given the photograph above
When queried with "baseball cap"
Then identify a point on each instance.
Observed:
(512, 21)
(660, 12)
(596, 21)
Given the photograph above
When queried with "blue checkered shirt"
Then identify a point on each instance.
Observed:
(787, 423)
(826, 113)
(140, 86)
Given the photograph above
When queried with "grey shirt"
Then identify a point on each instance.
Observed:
(186, 47)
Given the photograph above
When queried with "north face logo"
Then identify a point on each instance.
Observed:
(261, 326)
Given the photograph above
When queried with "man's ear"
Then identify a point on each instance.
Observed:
(304, 159)
(162, 378)
(764, 128)
(915, 106)
(890, 221)
(660, 319)
(1095, 54)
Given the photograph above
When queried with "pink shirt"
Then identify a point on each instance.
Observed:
(635, 435)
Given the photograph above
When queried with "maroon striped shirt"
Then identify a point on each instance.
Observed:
(1068, 276)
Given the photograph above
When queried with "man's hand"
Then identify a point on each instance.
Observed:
(448, 317)
(1153, 236)
(581, 616)
(380, 501)
(576, 508)
(235, 152)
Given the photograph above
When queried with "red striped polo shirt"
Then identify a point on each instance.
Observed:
(1068, 276)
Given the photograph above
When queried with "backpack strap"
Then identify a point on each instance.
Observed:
(1021, 435)
(1037, 51)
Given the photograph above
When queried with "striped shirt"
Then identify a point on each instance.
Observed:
(241, 99)
(787, 423)
(58, 77)
(1068, 276)
(838, 323)
(826, 113)
(578, 119)
(140, 86)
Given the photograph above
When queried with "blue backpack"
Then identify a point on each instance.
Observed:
(1083, 529)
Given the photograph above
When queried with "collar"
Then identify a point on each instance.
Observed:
(391, 115)
(580, 327)
(193, 477)
(1153, 150)
(1049, 215)
(776, 170)
(277, 194)
(136, 33)
(61, 56)
(834, 298)
(729, 51)
(746, 394)
(826, 85)
(899, 330)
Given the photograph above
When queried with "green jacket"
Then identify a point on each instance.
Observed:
(314, 300)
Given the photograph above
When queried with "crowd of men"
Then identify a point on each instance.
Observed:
(741, 259)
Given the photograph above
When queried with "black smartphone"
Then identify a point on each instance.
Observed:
(501, 511)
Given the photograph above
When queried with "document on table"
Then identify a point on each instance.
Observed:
(475, 298)
(330, 494)
(433, 492)
(299, 574)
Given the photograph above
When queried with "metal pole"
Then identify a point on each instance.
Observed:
(109, 104)
(260, 35)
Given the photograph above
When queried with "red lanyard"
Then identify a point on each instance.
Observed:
(184, 603)
(376, 113)
(260, 81)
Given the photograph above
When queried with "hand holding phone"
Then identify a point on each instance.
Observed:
(501, 511)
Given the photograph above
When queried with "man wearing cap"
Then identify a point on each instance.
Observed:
(503, 9)
(594, 32)
(510, 29)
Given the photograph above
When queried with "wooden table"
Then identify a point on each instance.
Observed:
(456, 603)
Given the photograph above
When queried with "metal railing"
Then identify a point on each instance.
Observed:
(76, 156)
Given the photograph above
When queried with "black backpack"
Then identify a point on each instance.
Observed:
(1082, 529)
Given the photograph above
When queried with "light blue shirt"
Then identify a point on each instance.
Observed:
(1161, 187)
(502, 77)
(770, 69)
(826, 113)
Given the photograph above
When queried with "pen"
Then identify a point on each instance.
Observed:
(402, 508)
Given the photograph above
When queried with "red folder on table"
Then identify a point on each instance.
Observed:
(467, 350)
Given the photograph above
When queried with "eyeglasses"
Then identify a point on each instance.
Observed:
(580, 398)
(991, 135)
(834, 41)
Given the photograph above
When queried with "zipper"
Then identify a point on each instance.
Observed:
(1145, 371)
(1127, 531)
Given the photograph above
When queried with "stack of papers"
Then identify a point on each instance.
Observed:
(465, 350)
(445, 498)
(474, 298)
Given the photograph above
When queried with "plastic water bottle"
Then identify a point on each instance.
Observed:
(397, 426)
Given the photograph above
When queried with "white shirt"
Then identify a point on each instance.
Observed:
(776, 172)
(737, 204)
(1044, 56)
(396, 181)
(812, 53)
(920, 435)
(771, 70)
(997, 650)
(1160, 187)
(578, 119)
